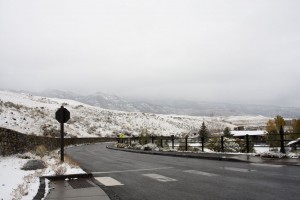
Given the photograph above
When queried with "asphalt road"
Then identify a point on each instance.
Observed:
(153, 177)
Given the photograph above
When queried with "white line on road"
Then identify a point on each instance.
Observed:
(238, 169)
(200, 173)
(108, 181)
(131, 170)
(266, 165)
(159, 177)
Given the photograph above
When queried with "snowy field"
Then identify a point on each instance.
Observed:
(18, 184)
(35, 115)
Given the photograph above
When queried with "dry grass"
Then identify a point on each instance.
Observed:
(70, 161)
(41, 151)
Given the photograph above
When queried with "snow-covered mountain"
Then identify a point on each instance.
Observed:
(35, 115)
(179, 107)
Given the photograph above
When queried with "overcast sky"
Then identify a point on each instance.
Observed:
(206, 50)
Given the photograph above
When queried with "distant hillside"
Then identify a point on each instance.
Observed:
(35, 115)
(180, 107)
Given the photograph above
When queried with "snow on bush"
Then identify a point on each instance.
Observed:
(230, 145)
(278, 155)
(150, 147)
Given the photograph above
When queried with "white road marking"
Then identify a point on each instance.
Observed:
(131, 170)
(159, 177)
(108, 181)
(238, 169)
(200, 173)
(266, 165)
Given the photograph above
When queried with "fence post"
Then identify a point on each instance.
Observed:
(202, 143)
(222, 143)
(282, 149)
(172, 138)
(247, 143)
(152, 139)
(129, 141)
(186, 143)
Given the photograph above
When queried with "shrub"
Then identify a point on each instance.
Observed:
(60, 170)
(230, 145)
(121, 145)
(150, 147)
(41, 151)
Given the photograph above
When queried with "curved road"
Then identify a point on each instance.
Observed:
(135, 176)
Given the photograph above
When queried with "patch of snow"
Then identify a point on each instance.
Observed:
(243, 133)
(19, 184)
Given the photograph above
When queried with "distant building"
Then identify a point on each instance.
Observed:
(295, 144)
(255, 135)
(239, 128)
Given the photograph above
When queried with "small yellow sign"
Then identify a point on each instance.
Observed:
(122, 135)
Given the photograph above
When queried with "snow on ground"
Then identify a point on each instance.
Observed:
(19, 184)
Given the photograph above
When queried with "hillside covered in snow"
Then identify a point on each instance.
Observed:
(36, 115)
(171, 106)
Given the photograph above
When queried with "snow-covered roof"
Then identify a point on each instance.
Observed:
(294, 141)
(243, 133)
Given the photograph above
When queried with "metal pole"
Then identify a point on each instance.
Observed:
(161, 143)
(202, 143)
(172, 137)
(282, 149)
(247, 143)
(222, 143)
(62, 142)
(186, 143)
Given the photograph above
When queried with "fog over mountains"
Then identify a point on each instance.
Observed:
(180, 107)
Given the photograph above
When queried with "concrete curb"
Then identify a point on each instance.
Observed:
(69, 176)
(41, 191)
(178, 154)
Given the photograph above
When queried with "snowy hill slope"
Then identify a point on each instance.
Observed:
(35, 115)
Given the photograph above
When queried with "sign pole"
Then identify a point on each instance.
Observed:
(62, 115)
(62, 142)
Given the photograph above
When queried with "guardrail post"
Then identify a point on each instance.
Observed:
(186, 143)
(247, 144)
(282, 149)
(202, 143)
(172, 138)
(222, 143)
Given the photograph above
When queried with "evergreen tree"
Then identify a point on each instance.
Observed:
(203, 132)
(227, 132)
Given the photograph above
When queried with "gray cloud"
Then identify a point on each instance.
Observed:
(232, 51)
